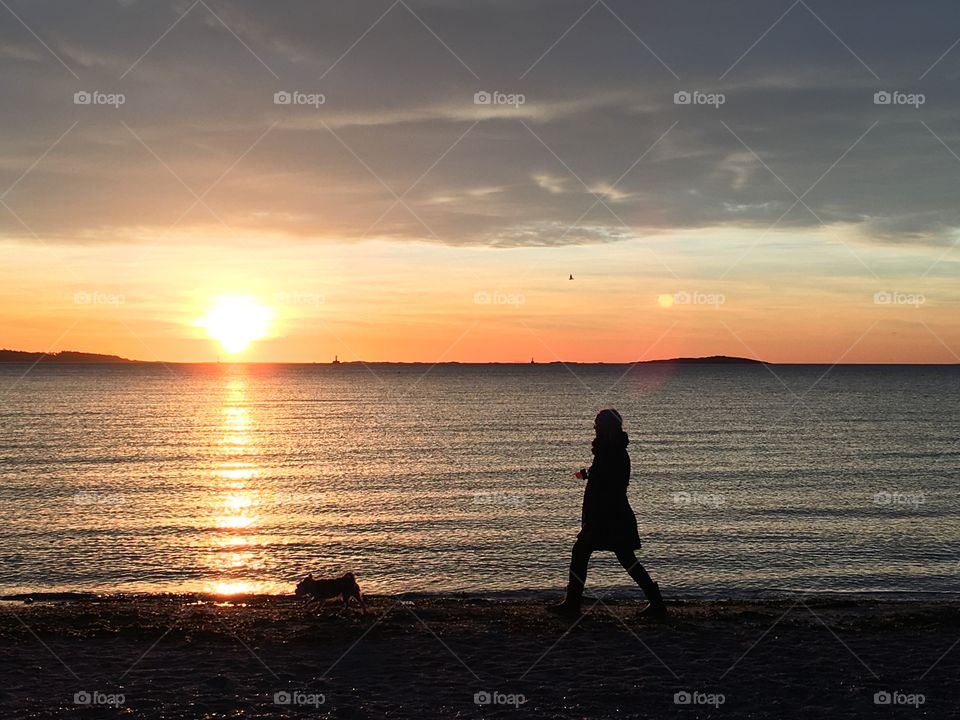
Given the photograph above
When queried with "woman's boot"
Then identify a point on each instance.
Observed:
(570, 607)
(579, 559)
(656, 608)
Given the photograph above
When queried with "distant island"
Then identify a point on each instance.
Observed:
(712, 360)
(83, 358)
(65, 356)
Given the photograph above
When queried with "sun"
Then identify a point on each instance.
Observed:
(235, 321)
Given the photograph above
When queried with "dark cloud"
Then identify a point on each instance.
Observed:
(400, 119)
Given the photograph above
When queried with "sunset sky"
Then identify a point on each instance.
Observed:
(389, 212)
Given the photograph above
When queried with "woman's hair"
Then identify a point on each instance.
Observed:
(609, 427)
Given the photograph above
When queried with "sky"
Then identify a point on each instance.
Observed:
(419, 180)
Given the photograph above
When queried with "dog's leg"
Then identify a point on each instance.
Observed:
(307, 604)
(362, 601)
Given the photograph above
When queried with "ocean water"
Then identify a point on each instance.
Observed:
(460, 477)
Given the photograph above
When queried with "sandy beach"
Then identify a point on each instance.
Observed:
(175, 656)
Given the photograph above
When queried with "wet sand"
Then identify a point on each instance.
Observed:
(165, 656)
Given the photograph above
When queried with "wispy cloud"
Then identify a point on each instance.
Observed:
(399, 88)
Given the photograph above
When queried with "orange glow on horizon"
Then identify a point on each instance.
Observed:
(368, 305)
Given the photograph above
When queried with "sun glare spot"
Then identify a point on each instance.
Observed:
(232, 588)
(235, 321)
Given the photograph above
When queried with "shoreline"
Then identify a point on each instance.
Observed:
(190, 655)
(616, 594)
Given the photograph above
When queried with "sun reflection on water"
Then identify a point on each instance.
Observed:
(235, 495)
(238, 587)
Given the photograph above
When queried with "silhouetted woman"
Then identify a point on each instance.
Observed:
(607, 521)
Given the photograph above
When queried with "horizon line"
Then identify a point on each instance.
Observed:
(721, 360)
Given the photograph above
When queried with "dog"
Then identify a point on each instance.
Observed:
(320, 589)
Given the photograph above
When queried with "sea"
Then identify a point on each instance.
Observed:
(231, 478)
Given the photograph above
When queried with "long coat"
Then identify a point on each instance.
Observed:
(607, 520)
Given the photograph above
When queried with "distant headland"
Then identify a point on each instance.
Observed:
(711, 360)
(65, 356)
(84, 358)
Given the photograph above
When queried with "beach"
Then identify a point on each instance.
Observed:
(197, 656)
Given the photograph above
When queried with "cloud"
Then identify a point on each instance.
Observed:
(22, 51)
(608, 192)
(400, 118)
(552, 183)
(546, 234)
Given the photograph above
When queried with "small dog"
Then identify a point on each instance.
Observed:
(321, 589)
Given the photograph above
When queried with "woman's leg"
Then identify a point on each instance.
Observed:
(579, 561)
(640, 576)
(634, 569)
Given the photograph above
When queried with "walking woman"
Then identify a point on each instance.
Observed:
(607, 520)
